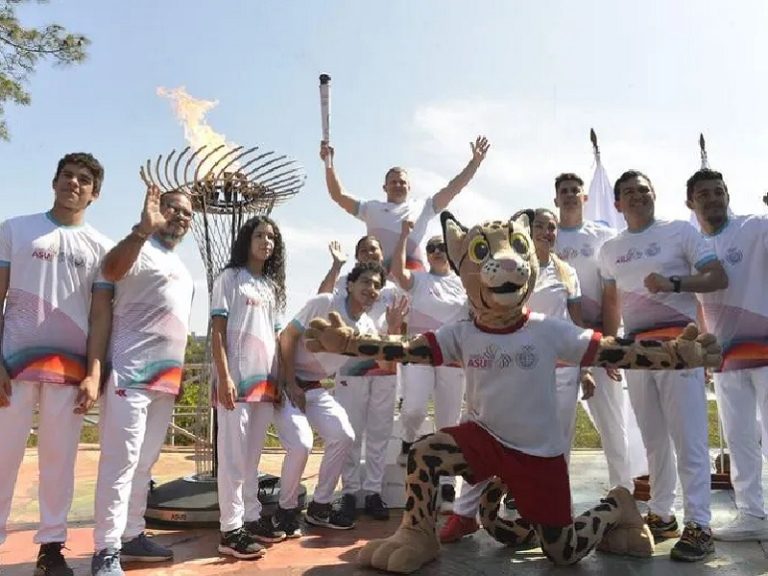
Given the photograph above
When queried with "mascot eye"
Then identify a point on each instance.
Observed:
(519, 243)
(478, 249)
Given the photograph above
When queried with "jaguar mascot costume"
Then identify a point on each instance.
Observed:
(509, 357)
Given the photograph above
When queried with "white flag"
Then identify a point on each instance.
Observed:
(599, 206)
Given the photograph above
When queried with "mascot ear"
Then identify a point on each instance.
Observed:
(525, 217)
(453, 234)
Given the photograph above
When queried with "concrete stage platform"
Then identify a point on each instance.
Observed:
(330, 553)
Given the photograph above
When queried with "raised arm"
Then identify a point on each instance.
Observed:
(335, 188)
(339, 258)
(442, 198)
(334, 336)
(397, 269)
(122, 257)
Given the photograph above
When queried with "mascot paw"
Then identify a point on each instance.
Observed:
(630, 535)
(404, 552)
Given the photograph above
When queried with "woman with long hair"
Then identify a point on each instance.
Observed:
(247, 298)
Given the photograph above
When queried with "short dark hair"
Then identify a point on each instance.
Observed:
(567, 176)
(394, 169)
(362, 267)
(700, 176)
(628, 175)
(363, 239)
(87, 161)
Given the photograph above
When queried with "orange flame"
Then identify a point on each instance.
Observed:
(191, 113)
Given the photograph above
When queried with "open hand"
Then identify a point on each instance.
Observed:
(227, 394)
(337, 253)
(397, 311)
(479, 149)
(152, 218)
(330, 335)
(587, 386)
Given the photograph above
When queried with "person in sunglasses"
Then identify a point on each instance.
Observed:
(437, 298)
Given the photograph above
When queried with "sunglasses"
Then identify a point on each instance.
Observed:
(432, 248)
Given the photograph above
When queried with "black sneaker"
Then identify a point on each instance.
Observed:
(326, 516)
(50, 561)
(265, 530)
(240, 544)
(287, 520)
(349, 506)
(376, 508)
(661, 529)
(695, 544)
(447, 497)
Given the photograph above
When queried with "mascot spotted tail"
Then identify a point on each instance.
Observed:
(509, 356)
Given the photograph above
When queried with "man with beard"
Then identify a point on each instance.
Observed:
(153, 299)
(738, 316)
(647, 268)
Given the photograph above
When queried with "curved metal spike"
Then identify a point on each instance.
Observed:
(205, 158)
(256, 159)
(191, 159)
(162, 185)
(222, 158)
(253, 173)
(176, 167)
(148, 173)
(238, 158)
(165, 169)
(278, 176)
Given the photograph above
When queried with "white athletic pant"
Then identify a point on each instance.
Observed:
(132, 429)
(58, 434)
(330, 420)
(446, 385)
(369, 402)
(605, 409)
(240, 440)
(738, 392)
(671, 411)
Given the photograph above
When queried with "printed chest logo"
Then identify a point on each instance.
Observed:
(254, 296)
(734, 255)
(568, 253)
(653, 249)
(587, 251)
(53, 253)
(492, 358)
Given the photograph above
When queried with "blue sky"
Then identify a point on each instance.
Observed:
(413, 83)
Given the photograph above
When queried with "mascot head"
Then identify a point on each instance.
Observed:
(497, 265)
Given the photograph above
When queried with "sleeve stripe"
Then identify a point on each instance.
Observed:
(437, 354)
(103, 286)
(5, 264)
(296, 324)
(219, 312)
(704, 261)
(594, 343)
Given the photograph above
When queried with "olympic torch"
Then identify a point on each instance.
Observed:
(325, 112)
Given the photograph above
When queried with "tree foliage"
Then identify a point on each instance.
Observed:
(22, 49)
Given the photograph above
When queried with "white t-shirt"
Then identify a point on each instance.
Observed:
(151, 321)
(309, 366)
(551, 295)
(738, 315)
(53, 269)
(668, 248)
(580, 247)
(378, 312)
(384, 221)
(511, 376)
(435, 300)
(249, 305)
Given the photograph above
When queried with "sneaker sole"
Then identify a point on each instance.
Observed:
(681, 558)
(128, 558)
(267, 539)
(322, 524)
(240, 555)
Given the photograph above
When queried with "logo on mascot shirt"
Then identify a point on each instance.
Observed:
(527, 358)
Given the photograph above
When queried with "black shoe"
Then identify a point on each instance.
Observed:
(287, 520)
(264, 530)
(240, 544)
(50, 561)
(324, 515)
(695, 544)
(349, 506)
(376, 508)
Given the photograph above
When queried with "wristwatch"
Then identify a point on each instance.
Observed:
(675, 283)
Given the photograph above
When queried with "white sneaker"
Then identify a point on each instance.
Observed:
(743, 527)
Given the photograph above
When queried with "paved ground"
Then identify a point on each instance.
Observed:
(331, 553)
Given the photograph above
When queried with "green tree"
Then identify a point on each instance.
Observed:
(21, 49)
